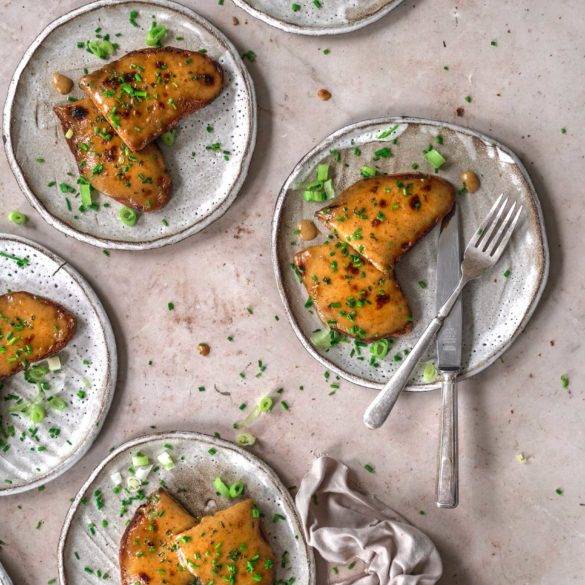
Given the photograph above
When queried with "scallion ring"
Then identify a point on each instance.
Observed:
(266, 403)
(36, 413)
(245, 439)
(17, 217)
(379, 349)
(221, 488)
(128, 216)
(236, 489)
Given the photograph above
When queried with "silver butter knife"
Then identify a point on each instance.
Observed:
(449, 360)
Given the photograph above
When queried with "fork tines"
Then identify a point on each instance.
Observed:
(493, 235)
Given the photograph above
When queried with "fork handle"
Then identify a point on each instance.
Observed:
(381, 406)
(448, 459)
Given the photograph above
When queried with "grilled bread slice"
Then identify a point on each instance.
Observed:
(228, 547)
(147, 549)
(351, 295)
(138, 180)
(383, 217)
(147, 92)
(32, 328)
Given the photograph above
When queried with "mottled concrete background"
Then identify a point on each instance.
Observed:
(511, 526)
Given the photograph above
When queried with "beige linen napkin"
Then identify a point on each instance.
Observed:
(343, 524)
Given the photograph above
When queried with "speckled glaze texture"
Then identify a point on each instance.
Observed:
(4, 577)
(511, 526)
(205, 182)
(191, 481)
(89, 364)
(330, 18)
(496, 307)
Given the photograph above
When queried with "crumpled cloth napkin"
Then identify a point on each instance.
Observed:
(343, 524)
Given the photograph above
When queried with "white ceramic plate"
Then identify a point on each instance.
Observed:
(495, 308)
(331, 18)
(33, 455)
(204, 184)
(191, 482)
(4, 577)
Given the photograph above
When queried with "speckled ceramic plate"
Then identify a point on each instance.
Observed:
(4, 577)
(204, 182)
(496, 308)
(32, 455)
(330, 18)
(191, 482)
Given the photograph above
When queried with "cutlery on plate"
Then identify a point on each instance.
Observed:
(482, 252)
(448, 360)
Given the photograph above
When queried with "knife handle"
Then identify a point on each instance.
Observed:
(448, 460)
(381, 406)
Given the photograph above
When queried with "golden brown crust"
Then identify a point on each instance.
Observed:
(351, 295)
(151, 534)
(147, 92)
(137, 180)
(40, 327)
(228, 547)
(383, 217)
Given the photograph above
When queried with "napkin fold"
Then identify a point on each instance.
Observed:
(343, 524)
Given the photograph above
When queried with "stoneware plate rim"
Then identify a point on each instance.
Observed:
(4, 576)
(391, 120)
(191, 436)
(318, 31)
(117, 244)
(112, 359)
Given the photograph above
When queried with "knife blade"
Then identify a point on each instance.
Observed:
(449, 361)
(448, 275)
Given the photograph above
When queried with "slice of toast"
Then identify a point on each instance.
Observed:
(384, 216)
(228, 547)
(32, 328)
(138, 180)
(147, 549)
(147, 92)
(351, 295)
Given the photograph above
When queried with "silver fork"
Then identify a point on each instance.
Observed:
(482, 252)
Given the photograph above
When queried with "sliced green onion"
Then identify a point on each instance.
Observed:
(156, 34)
(326, 338)
(128, 216)
(322, 173)
(429, 373)
(236, 489)
(169, 137)
(221, 488)
(379, 349)
(85, 192)
(266, 403)
(386, 133)
(36, 413)
(245, 439)
(36, 374)
(54, 363)
(116, 478)
(166, 460)
(133, 484)
(368, 172)
(101, 48)
(139, 459)
(17, 217)
(143, 472)
(316, 195)
(328, 188)
(57, 403)
(435, 158)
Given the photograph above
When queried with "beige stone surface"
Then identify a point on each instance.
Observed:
(511, 526)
